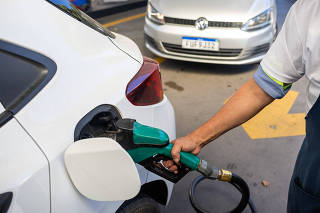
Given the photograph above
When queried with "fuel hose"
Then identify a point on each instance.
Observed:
(212, 173)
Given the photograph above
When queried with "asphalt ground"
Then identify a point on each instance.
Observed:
(264, 149)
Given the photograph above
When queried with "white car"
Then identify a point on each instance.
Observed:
(211, 31)
(64, 77)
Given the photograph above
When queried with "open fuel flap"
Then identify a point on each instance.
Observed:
(99, 122)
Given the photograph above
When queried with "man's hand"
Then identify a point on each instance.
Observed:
(186, 144)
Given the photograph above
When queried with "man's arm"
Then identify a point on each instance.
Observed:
(243, 105)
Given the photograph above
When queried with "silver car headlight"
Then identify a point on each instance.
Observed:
(154, 15)
(260, 21)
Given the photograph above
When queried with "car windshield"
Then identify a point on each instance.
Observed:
(73, 11)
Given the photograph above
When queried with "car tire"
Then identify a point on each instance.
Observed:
(140, 204)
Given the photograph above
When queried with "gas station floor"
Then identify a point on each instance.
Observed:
(263, 149)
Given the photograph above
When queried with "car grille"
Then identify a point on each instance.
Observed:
(210, 24)
(221, 53)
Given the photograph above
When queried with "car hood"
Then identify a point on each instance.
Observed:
(213, 10)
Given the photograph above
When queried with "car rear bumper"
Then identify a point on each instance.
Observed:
(236, 46)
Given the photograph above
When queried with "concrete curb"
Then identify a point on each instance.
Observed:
(118, 8)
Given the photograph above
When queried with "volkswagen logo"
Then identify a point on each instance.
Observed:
(201, 23)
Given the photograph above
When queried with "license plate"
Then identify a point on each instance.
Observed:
(200, 43)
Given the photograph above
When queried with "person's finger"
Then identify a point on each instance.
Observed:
(175, 152)
(167, 163)
(196, 151)
(173, 168)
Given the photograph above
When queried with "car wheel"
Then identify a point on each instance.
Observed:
(140, 204)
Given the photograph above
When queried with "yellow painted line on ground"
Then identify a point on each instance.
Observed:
(159, 59)
(130, 18)
(275, 121)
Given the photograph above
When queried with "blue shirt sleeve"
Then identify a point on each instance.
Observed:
(273, 87)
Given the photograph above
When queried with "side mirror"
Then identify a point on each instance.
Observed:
(102, 170)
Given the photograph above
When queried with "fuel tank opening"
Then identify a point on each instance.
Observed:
(99, 122)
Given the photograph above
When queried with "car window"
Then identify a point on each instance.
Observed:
(74, 12)
(18, 76)
(23, 74)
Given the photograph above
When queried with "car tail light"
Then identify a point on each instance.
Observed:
(145, 88)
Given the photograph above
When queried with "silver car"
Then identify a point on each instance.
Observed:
(211, 31)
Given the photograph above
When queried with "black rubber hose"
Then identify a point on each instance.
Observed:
(244, 189)
(251, 203)
(192, 188)
(237, 182)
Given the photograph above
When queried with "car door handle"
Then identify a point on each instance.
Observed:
(5, 201)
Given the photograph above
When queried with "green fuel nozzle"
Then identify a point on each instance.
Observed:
(147, 146)
(146, 141)
(139, 154)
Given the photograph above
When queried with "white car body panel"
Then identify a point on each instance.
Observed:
(51, 116)
(129, 46)
(24, 170)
